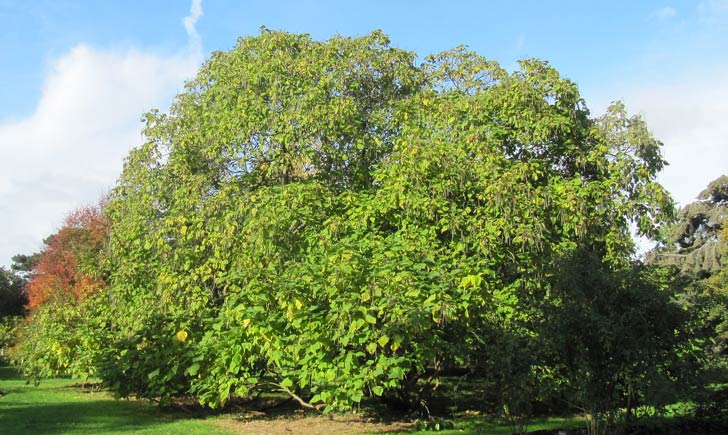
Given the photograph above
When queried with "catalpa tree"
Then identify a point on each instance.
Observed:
(330, 220)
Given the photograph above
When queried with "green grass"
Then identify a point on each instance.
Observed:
(57, 407)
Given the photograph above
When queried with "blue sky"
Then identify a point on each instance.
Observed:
(75, 76)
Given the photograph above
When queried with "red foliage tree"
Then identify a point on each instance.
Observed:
(65, 270)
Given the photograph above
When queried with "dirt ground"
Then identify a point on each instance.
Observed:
(247, 424)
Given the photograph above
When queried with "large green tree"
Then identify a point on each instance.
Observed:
(330, 220)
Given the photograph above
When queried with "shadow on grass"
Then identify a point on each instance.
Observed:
(53, 418)
(59, 406)
(8, 373)
(88, 416)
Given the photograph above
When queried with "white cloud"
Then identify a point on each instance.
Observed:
(689, 116)
(70, 150)
(664, 13)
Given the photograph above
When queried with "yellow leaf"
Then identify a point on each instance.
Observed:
(383, 340)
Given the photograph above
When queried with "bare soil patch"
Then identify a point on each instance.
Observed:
(307, 424)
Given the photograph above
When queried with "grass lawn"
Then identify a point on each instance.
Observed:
(58, 407)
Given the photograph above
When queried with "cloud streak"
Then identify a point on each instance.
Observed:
(190, 23)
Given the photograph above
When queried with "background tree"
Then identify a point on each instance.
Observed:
(24, 264)
(60, 333)
(13, 297)
(13, 301)
(695, 246)
(696, 243)
(64, 268)
(622, 340)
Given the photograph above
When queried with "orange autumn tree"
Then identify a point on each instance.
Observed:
(66, 270)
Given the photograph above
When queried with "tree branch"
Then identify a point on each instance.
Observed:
(297, 398)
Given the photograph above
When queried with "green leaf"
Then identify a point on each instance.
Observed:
(356, 396)
(193, 369)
